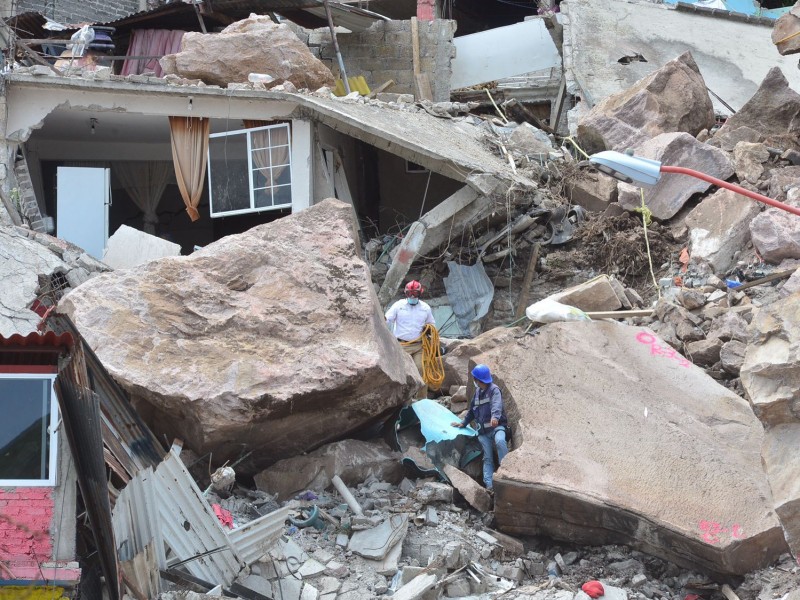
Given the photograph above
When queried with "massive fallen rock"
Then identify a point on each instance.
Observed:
(669, 195)
(779, 455)
(253, 45)
(271, 341)
(719, 227)
(776, 232)
(673, 98)
(771, 369)
(620, 440)
(456, 361)
(771, 112)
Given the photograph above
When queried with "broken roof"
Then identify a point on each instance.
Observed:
(451, 147)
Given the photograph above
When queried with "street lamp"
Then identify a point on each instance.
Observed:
(644, 171)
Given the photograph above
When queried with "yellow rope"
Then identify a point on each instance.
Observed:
(788, 37)
(647, 217)
(432, 367)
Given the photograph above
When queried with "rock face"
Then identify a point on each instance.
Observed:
(719, 227)
(749, 161)
(456, 361)
(772, 112)
(597, 452)
(786, 32)
(592, 191)
(253, 45)
(771, 369)
(779, 455)
(674, 98)
(776, 233)
(669, 195)
(352, 460)
(271, 340)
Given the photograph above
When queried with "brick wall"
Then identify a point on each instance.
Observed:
(383, 52)
(78, 11)
(26, 515)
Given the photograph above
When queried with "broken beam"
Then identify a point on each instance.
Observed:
(767, 279)
(522, 302)
(620, 314)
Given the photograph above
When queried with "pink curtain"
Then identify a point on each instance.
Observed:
(150, 42)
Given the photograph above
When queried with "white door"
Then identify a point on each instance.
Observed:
(82, 202)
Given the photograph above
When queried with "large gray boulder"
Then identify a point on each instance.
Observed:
(776, 232)
(673, 98)
(786, 32)
(771, 369)
(253, 45)
(669, 195)
(719, 227)
(619, 439)
(772, 112)
(779, 456)
(269, 341)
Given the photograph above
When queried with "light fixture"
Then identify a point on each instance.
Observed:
(644, 171)
(92, 125)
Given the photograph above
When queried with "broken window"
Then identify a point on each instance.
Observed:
(27, 432)
(250, 170)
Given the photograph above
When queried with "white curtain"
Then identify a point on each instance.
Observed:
(145, 183)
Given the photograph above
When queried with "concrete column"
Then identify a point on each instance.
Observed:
(302, 166)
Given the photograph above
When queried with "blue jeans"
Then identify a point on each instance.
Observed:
(498, 436)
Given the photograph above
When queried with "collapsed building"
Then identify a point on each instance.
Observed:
(228, 231)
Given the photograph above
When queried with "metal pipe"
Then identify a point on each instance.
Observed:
(336, 47)
(734, 188)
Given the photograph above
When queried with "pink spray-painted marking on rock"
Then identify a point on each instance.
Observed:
(657, 349)
(713, 531)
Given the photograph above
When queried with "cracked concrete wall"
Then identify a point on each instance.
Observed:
(383, 52)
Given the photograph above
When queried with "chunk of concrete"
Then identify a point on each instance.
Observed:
(672, 99)
(656, 427)
(594, 295)
(719, 227)
(388, 565)
(352, 460)
(456, 361)
(416, 588)
(771, 369)
(257, 584)
(473, 492)
(669, 195)
(776, 233)
(433, 491)
(786, 32)
(748, 160)
(376, 543)
(771, 112)
(129, 247)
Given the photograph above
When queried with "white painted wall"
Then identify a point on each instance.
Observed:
(503, 52)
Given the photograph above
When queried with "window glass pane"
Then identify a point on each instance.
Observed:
(280, 156)
(259, 139)
(263, 197)
(227, 173)
(24, 440)
(282, 195)
(262, 178)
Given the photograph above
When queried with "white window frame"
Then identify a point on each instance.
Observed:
(253, 208)
(51, 431)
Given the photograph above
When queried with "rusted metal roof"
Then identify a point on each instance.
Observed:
(34, 348)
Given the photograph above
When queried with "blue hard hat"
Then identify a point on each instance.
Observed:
(482, 374)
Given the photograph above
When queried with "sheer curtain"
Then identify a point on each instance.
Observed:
(189, 137)
(265, 152)
(145, 183)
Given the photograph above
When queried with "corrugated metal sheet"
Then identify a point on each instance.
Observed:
(166, 507)
(470, 292)
(255, 539)
(351, 17)
(58, 342)
(34, 349)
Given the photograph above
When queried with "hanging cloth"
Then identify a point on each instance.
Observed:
(145, 183)
(189, 137)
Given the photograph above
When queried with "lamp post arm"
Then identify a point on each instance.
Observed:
(729, 186)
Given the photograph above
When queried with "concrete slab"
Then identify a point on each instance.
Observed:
(375, 543)
(389, 564)
(129, 247)
(656, 427)
(733, 60)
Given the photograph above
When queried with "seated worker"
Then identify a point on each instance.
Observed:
(488, 411)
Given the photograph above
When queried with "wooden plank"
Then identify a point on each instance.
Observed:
(620, 314)
(415, 45)
(522, 302)
(38, 59)
(728, 592)
(381, 88)
(767, 279)
(422, 82)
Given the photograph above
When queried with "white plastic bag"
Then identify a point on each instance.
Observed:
(550, 311)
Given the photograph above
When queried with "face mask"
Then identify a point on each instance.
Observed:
(412, 301)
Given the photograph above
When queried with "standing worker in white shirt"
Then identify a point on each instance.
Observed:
(409, 319)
